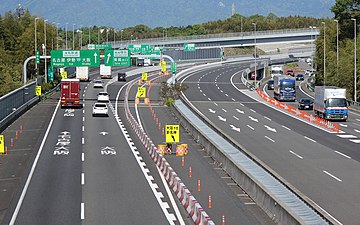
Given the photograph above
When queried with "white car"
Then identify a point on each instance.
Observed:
(103, 97)
(98, 84)
(100, 109)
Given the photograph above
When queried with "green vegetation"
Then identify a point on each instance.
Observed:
(338, 73)
(169, 92)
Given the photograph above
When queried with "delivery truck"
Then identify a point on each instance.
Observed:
(70, 93)
(284, 88)
(105, 71)
(82, 73)
(330, 103)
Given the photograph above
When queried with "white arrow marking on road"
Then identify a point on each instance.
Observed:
(108, 151)
(253, 119)
(95, 54)
(239, 111)
(103, 133)
(270, 129)
(212, 111)
(235, 128)
(108, 58)
(222, 119)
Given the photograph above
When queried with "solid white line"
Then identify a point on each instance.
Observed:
(346, 136)
(340, 153)
(297, 155)
(82, 157)
(82, 178)
(267, 118)
(23, 193)
(250, 127)
(310, 139)
(82, 211)
(285, 127)
(332, 176)
(83, 140)
(357, 141)
(269, 139)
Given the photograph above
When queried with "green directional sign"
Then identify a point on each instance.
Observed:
(37, 57)
(117, 58)
(99, 46)
(189, 47)
(134, 48)
(72, 58)
(157, 51)
(173, 67)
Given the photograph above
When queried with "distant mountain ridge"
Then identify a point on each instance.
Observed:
(162, 13)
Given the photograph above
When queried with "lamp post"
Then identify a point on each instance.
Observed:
(355, 96)
(107, 35)
(114, 37)
(66, 47)
(131, 39)
(255, 51)
(98, 36)
(337, 49)
(57, 36)
(35, 43)
(324, 83)
(89, 34)
(45, 50)
(121, 36)
(73, 48)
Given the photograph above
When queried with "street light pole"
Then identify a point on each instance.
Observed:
(121, 36)
(45, 50)
(324, 83)
(66, 47)
(73, 48)
(89, 34)
(355, 95)
(337, 49)
(57, 36)
(255, 51)
(114, 37)
(35, 38)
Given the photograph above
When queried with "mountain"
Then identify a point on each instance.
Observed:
(162, 13)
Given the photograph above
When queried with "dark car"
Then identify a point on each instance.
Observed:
(270, 85)
(121, 76)
(290, 73)
(305, 103)
(299, 76)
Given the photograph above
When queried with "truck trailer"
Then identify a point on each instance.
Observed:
(70, 93)
(330, 103)
(284, 88)
(82, 73)
(105, 71)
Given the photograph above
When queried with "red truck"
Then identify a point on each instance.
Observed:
(290, 72)
(70, 92)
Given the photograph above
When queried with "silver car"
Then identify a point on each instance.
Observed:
(100, 109)
(98, 84)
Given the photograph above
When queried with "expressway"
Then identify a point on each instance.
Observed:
(88, 171)
(318, 163)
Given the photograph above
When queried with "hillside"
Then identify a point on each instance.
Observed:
(121, 13)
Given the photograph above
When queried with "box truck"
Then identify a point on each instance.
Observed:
(82, 73)
(330, 103)
(70, 92)
(105, 71)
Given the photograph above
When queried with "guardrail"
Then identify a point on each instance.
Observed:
(196, 212)
(296, 208)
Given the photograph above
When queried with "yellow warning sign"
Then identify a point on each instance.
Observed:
(38, 91)
(64, 75)
(2, 144)
(163, 66)
(141, 92)
(144, 76)
(172, 134)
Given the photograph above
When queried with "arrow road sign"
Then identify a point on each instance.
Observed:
(73, 58)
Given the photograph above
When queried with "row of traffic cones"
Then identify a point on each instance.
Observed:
(12, 139)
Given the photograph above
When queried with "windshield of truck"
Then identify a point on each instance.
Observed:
(336, 102)
(288, 86)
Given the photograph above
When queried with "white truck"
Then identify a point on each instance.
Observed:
(276, 70)
(330, 103)
(105, 71)
(82, 73)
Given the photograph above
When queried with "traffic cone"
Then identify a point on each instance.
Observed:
(163, 131)
(11, 142)
(223, 219)
(210, 202)
(6, 150)
(190, 172)
(182, 161)
(21, 129)
(199, 186)
(159, 126)
(16, 135)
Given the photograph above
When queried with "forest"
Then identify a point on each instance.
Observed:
(17, 41)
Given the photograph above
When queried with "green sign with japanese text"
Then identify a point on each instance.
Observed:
(73, 58)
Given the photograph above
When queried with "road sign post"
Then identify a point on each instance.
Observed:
(2, 144)
(38, 91)
(117, 58)
(144, 76)
(63, 58)
(172, 133)
(50, 74)
(173, 67)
